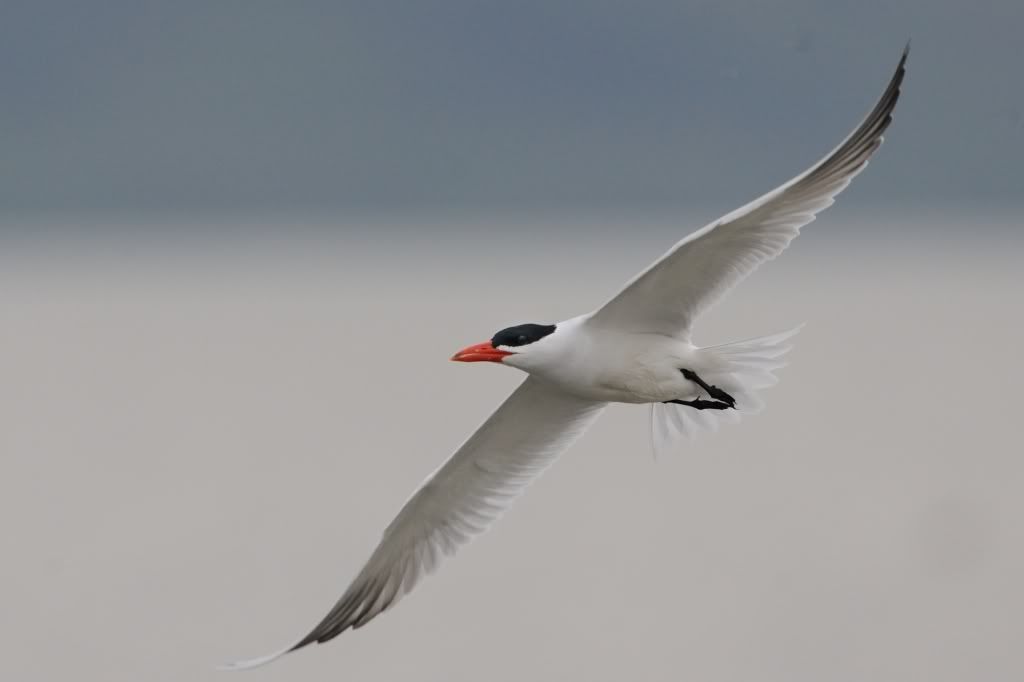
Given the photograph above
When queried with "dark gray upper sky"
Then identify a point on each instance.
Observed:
(131, 105)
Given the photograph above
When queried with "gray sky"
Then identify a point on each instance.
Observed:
(243, 106)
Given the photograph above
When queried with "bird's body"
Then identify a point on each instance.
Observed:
(636, 348)
(617, 366)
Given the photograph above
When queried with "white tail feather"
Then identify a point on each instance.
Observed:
(741, 369)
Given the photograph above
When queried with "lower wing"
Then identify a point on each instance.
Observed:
(458, 501)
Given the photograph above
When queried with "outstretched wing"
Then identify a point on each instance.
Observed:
(668, 296)
(458, 501)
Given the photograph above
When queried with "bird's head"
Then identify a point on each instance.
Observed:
(518, 346)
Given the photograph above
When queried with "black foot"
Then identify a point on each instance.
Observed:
(713, 391)
(704, 404)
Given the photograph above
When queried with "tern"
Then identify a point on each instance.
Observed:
(635, 348)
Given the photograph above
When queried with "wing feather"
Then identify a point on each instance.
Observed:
(458, 501)
(669, 295)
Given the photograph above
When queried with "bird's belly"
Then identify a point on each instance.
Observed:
(647, 386)
(630, 379)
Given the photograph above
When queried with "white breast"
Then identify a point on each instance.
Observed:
(620, 366)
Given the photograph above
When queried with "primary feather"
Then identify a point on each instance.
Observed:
(668, 296)
(458, 501)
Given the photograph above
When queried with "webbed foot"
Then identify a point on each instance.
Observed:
(704, 404)
(713, 391)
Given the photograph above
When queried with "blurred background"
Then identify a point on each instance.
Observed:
(239, 241)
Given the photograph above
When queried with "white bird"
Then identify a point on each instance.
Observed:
(635, 348)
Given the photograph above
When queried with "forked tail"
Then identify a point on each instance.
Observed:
(742, 368)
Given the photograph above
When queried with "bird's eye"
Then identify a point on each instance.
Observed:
(521, 339)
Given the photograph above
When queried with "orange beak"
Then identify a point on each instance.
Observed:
(480, 352)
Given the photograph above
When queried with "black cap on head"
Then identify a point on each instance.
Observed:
(521, 335)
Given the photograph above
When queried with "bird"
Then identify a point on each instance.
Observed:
(636, 348)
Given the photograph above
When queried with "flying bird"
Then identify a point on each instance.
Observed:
(636, 348)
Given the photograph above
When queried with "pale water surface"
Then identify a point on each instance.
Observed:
(206, 428)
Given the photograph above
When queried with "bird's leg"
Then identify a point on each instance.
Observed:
(703, 404)
(713, 391)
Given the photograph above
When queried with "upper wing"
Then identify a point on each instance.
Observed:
(668, 296)
(459, 500)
